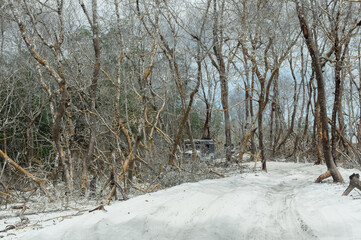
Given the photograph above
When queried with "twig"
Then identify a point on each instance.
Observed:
(6, 194)
(49, 219)
(9, 227)
(219, 174)
(101, 207)
(151, 190)
(138, 188)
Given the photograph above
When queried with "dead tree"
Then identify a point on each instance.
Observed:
(354, 183)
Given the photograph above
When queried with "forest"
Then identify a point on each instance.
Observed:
(97, 98)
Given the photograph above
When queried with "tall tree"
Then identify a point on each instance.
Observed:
(312, 46)
(93, 21)
(222, 65)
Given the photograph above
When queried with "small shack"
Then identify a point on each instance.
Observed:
(205, 146)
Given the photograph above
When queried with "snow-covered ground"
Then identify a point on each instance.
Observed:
(284, 203)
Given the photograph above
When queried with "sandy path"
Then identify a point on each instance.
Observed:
(281, 204)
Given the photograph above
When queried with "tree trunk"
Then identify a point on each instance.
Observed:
(206, 129)
(221, 67)
(316, 64)
(320, 159)
(65, 158)
(354, 183)
(260, 137)
(337, 95)
(93, 93)
(227, 121)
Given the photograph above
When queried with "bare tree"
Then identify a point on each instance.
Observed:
(93, 21)
(271, 69)
(316, 63)
(223, 64)
(53, 41)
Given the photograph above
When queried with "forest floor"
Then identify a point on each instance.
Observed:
(283, 203)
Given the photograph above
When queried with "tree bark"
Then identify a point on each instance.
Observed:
(93, 92)
(354, 183)
(316, 64)
(221, 67)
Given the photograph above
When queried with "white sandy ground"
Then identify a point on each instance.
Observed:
(281, 204)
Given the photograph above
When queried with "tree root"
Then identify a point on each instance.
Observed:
(323, 177)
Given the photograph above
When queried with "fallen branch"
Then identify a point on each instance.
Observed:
(5, 194)
(47, 211)
(354, 183)
(23, 220)
(101, 207)
(139, 189)
(23, 207)
(152, 189)
(148, 190)
(217, 173)
(38, 181)
(9, 227)
(80, 212)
